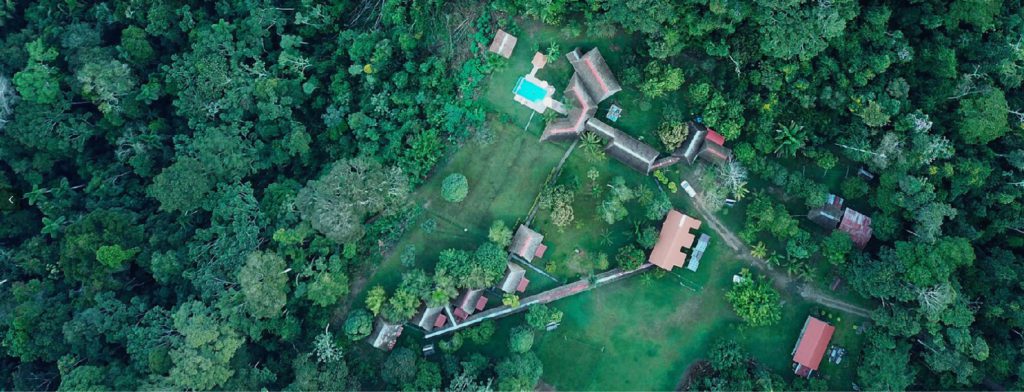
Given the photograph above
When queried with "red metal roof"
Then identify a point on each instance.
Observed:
(858, 226)
(461, 314)
(715, 137)
(813, 343)
(439, 322)
(540, 251)
(522, 285)
(481, 303)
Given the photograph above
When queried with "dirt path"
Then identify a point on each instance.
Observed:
(554, 177)
(781, 279)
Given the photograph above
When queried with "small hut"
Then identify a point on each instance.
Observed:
(858, 226)
(430, 318)
(503, 44)
(828, 215)
(515, 279)
(385, 334)
(528, 244)
(469, 302)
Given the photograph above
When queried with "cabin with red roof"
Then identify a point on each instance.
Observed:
(811, 345)
(858, 226)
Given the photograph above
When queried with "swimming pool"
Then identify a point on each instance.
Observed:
(529, 90)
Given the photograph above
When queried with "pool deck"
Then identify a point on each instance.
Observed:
(541, 105)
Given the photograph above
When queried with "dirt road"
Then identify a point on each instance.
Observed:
(781, 279)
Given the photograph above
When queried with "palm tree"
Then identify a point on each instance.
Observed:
(798, 269)
(592, 145)
(790, 139)
(759, 250)
(606, 237)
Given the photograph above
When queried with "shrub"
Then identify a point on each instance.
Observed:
(454, 188)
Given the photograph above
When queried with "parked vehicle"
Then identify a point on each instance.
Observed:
(689, 189)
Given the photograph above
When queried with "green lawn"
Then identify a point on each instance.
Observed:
(504, 178)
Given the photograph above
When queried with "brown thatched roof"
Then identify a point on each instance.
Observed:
(513, 276)
(596, 75)
(691, 148)
(570, 127)
(466, 303)
(625, 148)
(526, 242)
(634, 153)
(715, 153)
(427, 316)
(605, 131)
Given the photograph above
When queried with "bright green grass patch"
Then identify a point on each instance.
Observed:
(504, 178)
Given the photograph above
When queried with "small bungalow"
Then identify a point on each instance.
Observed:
(714, 149)
(597, 77)
(675, 235)
(470, 302)
(385, 335)
(430, 318)
(858, 226)
(865, 174)
(528, 244)
(704, 143)
(698, 252)
(503, 44)
(832, 215)
(810, 346)
(715, 153)
(515, 279)
(828, 215)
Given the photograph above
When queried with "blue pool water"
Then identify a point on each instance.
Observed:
(529, 90)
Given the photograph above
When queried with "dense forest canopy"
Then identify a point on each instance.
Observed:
(190, 187)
